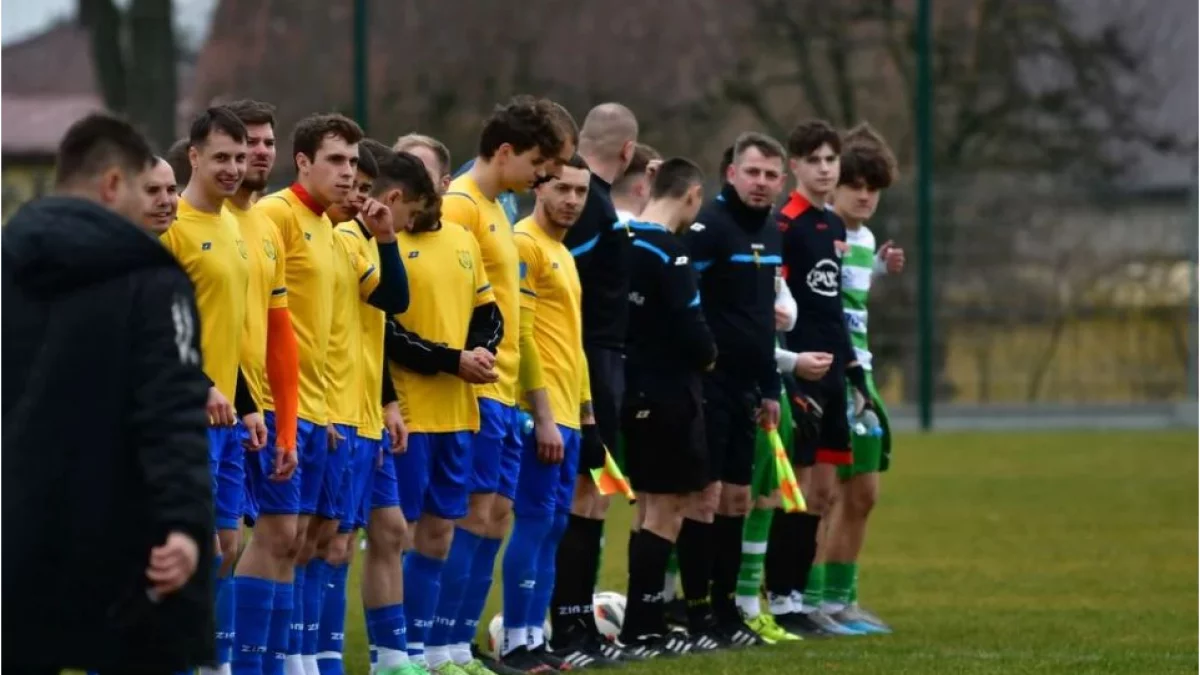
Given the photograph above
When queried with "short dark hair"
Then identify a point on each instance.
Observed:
(216, 118)
(404, 170)
(642, 156)
(865, 165)
(378, 151)
(726, 162)
(808, 136)
(863, 135)
(367, 163)
(769, 147)
(177, 157)
(311, 131)
(97, 142)
(568, 128)
(250, 111)
(577, 162)
(524, 123)
(674, 178)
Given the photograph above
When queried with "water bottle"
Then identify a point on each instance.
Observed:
(867, 424)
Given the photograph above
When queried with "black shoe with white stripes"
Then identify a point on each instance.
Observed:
(553, 660)
(589, 654)
(736, 634)
(705, 641)
(673, 643)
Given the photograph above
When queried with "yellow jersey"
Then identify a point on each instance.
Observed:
(371, 321)
(485, 218)
(446, 282)
(355, 278)
(550, 288)
(267, 290)
(307, 238)
(210, 248)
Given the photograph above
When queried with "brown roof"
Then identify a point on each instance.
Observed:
(56, 62)
(34, 125)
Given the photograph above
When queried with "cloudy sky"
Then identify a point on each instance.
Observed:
(20, 18)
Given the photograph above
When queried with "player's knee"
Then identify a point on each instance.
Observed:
(501, 516)
(338, 551)
(860, 501)
(388, 532)
(735, 500)
(278, 535)
(600, 507)
(433, 537)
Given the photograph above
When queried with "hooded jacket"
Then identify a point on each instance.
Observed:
(104, 444)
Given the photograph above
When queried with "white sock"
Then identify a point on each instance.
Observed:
(780, 604)
(798, 603)
(832, 607)
(390, 658)
(226, 669)
(436, 656)
(460, 653)
(669, 586)
(294, 665)
(513, 638)
(205, 670)
(310, 664)
(537, 636)
(749, 605)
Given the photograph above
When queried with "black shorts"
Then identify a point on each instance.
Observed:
(606, 370)
(665, 449)
(729, 420)
(831, 445)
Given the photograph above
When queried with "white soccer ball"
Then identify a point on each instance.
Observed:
(609, 607)
(496, 633)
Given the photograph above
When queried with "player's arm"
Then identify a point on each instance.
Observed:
(487, 323)
(786, 310)
(283, 358)
(705, 244)
(391, 294)
(530, 372)
(167, 417)
(686, 316)
(425, 357)
(459, 207)
(243, 401)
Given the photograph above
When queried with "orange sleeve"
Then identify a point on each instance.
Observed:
(283, 374)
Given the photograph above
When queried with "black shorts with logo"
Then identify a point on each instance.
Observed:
(831, 445)
(730, 404)
(665, 448)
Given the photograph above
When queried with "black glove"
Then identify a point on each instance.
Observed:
(591, 447)
(806, 415)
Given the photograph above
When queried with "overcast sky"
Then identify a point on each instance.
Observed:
(20, 18)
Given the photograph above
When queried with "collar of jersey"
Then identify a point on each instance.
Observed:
(306, 199)
(635, 223)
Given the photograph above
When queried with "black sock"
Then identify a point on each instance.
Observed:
(577, 559)
(727, 561)
(805, 533)
(644, 604)
(779, 573)
(629, 551)
(695, 549)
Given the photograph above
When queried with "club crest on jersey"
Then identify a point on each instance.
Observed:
(206, 246)
(822, 278)
(413, 254)
(464, 259)
(840, 248)
(308, 236)
(242, 250)
(269, 249)
(697, 227)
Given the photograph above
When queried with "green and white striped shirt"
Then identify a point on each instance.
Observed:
(859, 266)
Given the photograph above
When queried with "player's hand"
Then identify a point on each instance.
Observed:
(892, 257)
(471, 370)
(813, 365)
(549, 441)
(782, 317)
(286, 462)
(220, 410)
(333, 437)
(173, 563)
(485, 357)
(393, 421)
(768, 414)
(257, 429)
(378, 219)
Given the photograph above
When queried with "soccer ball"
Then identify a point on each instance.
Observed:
(496, 633)
(609, 607)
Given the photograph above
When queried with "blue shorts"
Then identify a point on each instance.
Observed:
(497, 451)
(331, 502)
(356, 483)
(385, 491)
(433, 475)
(312, 447)
(269, 497)
(546, 489)
(227, 469)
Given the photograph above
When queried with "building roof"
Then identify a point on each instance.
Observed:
(34, 125)
(55, 62)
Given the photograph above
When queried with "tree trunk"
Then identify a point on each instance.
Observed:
(152, 87)
(102, 20)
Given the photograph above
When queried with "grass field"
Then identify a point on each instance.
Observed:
(1002, 553)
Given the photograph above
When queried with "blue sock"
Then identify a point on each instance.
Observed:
(422, 585)
(255, 602)
(332, 635)
(478, 585)
(520, 568)
(454, 586)
(389, 632)
(316, 575)
(372, 653)
(280, 631)
(296, 632)
(224, 612)
(545, 570)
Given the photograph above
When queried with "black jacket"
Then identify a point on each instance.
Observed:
(736, 250)
(105, 448)
(602, 254)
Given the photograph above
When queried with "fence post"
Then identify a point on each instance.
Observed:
(924, 138)
(360, 45)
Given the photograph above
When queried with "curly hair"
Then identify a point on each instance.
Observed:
(525, 123)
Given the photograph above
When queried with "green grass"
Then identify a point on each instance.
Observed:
(1000, 553)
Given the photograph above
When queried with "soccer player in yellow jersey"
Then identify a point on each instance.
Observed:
(553, 380)
(271, 366)
(325, 154)
(209, 246)
(518, 142)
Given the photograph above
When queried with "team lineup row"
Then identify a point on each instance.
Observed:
(388, 351)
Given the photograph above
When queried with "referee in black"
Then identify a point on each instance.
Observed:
(662, 415)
